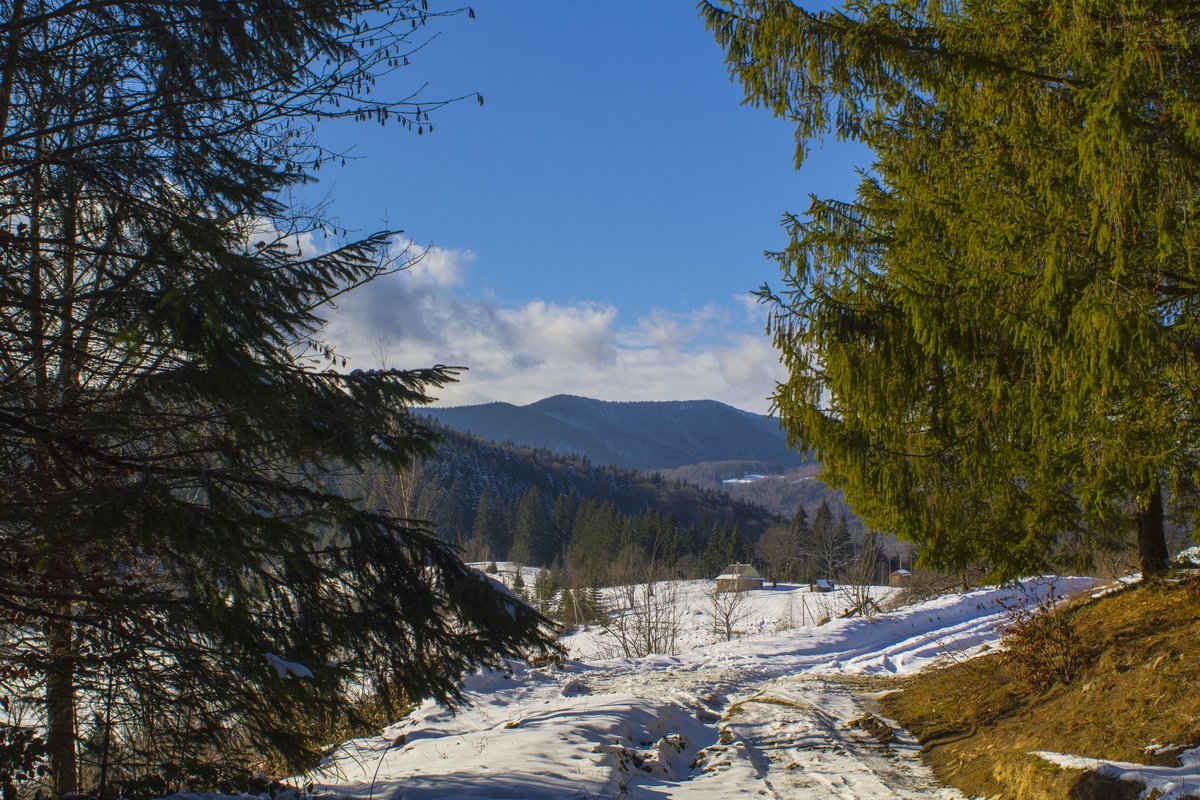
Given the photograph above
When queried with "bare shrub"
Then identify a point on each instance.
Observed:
(645, 615)
(798, 614)
(1041, 643)
(822, 608)
(789, 619)
(858, 578)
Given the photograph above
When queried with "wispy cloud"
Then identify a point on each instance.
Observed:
(522, 353)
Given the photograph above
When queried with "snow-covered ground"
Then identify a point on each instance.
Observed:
(769, 611)
(779, 711)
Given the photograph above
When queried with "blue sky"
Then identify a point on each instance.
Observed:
(596, 226)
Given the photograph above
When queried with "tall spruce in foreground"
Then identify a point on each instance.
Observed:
(177, 581)
(993, 347)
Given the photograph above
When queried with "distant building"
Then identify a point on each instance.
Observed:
(739, 578)
(900, 577)
(821, 585)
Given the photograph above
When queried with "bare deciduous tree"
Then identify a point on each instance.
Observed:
(859, 576)
(726, 610)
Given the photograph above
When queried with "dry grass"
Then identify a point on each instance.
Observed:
(1136, 685)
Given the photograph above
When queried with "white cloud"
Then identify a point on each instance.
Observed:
(433, 268)
(583, 332)
(674, 332)
(522, 353)
(752, 307)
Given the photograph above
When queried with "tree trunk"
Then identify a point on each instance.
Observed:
(1152, 539)
(11, 51)
(60, 701)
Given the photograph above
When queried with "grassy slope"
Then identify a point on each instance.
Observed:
(1138, 682)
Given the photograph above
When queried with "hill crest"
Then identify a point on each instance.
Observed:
(642, 435)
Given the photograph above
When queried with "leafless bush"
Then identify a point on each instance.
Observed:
(791, 616)
(822, 608)
(645, 616)
(859, 576)
(1041, 643)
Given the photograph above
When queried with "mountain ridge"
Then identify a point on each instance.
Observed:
(644, 435)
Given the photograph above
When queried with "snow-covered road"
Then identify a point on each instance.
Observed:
(813, 737)
(776, 715)
(791, 737)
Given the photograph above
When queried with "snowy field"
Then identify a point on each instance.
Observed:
(769, 611)
(770, 713)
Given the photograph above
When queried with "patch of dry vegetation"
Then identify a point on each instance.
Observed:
(1134, 684)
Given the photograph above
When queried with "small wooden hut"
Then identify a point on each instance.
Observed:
(739, 578)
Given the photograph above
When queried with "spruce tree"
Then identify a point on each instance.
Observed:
(600, 531)
(592, 605)
(721, 550)
(173, 560)
(800, 533)
(823, 547)
(843, 544)
(989, 348)
(489, 530)
(532, 536)
(562, 520)
(545, 588)
(798, 527)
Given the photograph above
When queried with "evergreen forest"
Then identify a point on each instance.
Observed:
(504, 502)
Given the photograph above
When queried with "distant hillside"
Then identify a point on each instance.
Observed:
(779, 489)
(466, 467)
(636, 435)
(503, 501)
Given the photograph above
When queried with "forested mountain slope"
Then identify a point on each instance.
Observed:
(635, 435)
(502, 501)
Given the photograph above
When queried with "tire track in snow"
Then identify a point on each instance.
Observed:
(798, 732)
(794, 731)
